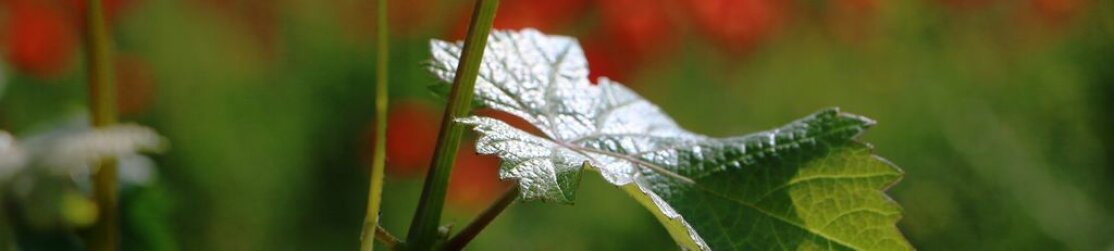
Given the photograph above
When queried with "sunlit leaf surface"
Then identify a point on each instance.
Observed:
(805, 186)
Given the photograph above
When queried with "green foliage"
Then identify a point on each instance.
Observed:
(805, 185)
(1000, 122)
(822, 195)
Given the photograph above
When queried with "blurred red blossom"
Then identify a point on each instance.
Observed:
(475, 179)
(39, 37)
(412, 129)
(736, 25)
(605, 61)
(545, 15)
(629, 33)
(638, 29)
(411, 136)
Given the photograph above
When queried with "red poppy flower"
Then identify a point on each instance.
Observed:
(736, 25)
(475, 179)
(630, 33)
(638, 28)
(605, 61)
(39, 38)
(411, 136)
(545, 15)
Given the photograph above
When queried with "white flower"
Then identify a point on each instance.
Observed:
(12, 157)
(81, 149)
(74, 148)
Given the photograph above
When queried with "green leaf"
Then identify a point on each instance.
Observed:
(807, 185)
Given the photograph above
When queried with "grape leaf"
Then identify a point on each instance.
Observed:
(807, 185)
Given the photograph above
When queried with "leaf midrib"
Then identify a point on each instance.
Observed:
(773, 148)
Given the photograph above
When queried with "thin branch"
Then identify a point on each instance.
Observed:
(387, 239)
(379, 156)
(469, 232)
(102, 103)
(423, 228)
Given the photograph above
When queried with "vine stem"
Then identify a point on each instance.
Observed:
(102, 102)
(469, 232)
(379, 156)
(423, 228)
(388, 240)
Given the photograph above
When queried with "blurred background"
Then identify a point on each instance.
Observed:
(997, 110)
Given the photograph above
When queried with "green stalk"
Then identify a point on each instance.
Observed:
(423, 229)
(379, 157)
(102, 102)
(388, 240)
